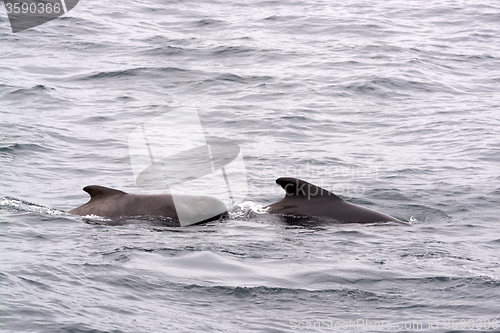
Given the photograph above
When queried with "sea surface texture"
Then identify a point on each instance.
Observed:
(393, 105)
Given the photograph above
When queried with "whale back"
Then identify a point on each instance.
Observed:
(305, 199)
(185, 209)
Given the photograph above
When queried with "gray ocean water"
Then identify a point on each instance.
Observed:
(392, 105)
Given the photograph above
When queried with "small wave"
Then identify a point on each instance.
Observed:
(23, 147)
(394, 86)
(25, 206)
(453, 283)
(208, 23)
(131, 72)
(423, 214)
(233, 51)
(77, 328)
(31, 91)
(281, 18)
(165, 51)
(257, 291)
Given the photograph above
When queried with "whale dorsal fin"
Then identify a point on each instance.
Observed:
(99, 192)
(301, 188)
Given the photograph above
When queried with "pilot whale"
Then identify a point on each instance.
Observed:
(305, 199)
(301, 199)
(186, 209)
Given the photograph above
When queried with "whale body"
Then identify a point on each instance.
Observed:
(305, 199)
(302, 199)
(186, 209)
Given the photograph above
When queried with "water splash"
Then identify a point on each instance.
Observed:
(245, 210)
(25, 206)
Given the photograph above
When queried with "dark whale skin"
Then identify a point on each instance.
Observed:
(305, 199)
